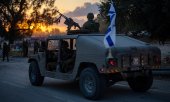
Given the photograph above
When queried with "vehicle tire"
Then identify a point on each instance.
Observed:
(141, 83)
(34, 74)
(91, 83)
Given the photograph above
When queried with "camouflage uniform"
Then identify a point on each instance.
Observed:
(91, 25)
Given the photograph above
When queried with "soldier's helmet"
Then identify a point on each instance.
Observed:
(90, 16)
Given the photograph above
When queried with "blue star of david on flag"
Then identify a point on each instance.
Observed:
(110, 37)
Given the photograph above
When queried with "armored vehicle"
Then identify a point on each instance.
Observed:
(83, 57)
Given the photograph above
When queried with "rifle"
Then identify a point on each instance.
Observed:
(68, 21)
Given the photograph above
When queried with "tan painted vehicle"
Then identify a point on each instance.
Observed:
(84, 58)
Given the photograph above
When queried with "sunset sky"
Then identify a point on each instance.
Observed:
(70, 5)
(76, 9)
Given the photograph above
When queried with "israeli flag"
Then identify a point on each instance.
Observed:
(110, 37)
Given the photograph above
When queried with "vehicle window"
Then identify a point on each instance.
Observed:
(73, 45)
(53, 45)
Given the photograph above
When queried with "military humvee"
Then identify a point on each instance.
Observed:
(94, 66)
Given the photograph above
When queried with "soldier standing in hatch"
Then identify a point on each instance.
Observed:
(91, 25)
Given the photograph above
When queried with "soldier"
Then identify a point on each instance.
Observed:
(36, 46)
(25, 48)
(91, 25)
(66, 56)
(5, 51)
(43, 45)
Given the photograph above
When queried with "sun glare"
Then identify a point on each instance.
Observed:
(31, 27)
(44, 30)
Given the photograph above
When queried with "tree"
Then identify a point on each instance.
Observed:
(17, 23)
(2, 30)
(150, 15)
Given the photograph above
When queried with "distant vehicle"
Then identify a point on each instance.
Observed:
(143, 33)
(93, 65)
(133, 33)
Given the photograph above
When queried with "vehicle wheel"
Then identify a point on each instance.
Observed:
(141, 83)
(91, 83)
(34, 74)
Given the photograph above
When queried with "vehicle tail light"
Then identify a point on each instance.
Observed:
(112, 62)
